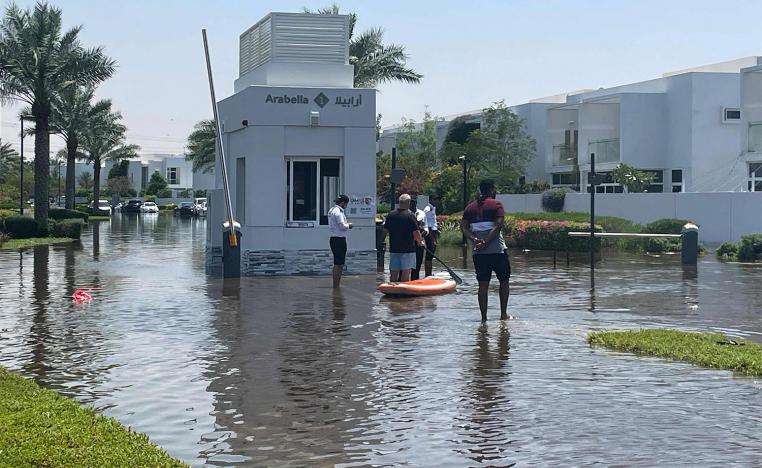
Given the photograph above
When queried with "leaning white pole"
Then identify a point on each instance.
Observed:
(230, 223)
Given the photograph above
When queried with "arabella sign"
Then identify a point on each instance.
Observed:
(321, 100)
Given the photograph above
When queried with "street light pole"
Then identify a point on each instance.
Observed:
(21, 169)
(58, 201)
(465, 188)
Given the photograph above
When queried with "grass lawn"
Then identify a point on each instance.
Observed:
(32, 241)
(713, 350)
(39, 427)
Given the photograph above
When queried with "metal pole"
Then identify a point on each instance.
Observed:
(394, 186)
(592, 211)
(218, 130)
(58, 202)
(21, 168)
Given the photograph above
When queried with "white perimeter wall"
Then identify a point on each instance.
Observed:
(721, 216)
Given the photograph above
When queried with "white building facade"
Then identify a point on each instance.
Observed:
(296, 135)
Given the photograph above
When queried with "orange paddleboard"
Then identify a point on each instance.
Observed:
(422, 287)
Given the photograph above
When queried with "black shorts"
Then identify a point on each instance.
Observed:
(430, 245)
(339, 249)
(485, 264)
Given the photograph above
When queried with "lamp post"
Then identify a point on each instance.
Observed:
(58, 200)
(464, 161)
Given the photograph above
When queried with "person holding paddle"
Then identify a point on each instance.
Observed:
(482, 224)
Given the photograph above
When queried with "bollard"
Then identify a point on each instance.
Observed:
(690, 250)
(231, 256)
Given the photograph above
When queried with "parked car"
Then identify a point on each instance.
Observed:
(199, 206)
(132, 206)
(103, 209)
(149, 207)
(185, 208)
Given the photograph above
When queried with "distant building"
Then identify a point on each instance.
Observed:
(684, 127)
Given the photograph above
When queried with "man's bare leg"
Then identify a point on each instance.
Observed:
(483, 293)
(337, 270)
(394, 276)
(405, 275)
(427, 266)
(505, 292)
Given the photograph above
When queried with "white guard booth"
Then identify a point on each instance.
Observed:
(296, 135)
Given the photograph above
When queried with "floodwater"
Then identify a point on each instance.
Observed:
(285, 372)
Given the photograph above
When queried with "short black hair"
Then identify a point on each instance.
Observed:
(486, 186)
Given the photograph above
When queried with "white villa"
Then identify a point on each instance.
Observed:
(685, 127)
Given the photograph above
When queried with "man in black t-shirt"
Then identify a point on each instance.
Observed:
(402, 227)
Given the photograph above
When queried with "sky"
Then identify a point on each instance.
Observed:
(470, 53)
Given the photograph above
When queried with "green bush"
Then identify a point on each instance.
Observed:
(6, 213)
(727, 250)
(548, 235)
(553, 200)
(60, 213)
(151, 198)
(67, 228)
(666, 226)
(164, 193)
(750, 249)
(21, 227)
(382, 208)
(167, 207)
(8, 205)
(4, 238)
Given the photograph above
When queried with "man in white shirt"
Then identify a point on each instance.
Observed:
(337, 223)
(431, 221)
(420, 217)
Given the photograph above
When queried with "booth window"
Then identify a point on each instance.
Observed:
(312, 186)
(677, 180)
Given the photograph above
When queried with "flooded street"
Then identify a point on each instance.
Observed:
(287, 372)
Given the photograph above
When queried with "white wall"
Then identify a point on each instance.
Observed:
(643, 130)
(721, 216)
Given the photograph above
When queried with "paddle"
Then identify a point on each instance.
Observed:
(458, 280)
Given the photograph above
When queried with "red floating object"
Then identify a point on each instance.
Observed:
(80, 296)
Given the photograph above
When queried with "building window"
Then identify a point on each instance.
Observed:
(731, 115)
(607, 184)
(755, 137)
(657, 186)
(173, 176)
(312, 185)
(566, 179)
(677, 180)
(755, 177)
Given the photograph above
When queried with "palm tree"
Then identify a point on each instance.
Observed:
(373, 61)
(9, 161)
(104, 140)
(201, 146)
(38, 63)
(71, 114)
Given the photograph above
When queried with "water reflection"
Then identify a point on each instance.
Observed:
(289, 372)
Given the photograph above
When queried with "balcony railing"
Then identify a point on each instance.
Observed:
(606, 151)
(564, 155)
(755, 138)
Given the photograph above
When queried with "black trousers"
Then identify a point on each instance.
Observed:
(416, 273)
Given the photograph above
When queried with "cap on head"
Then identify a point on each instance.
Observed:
(342, 199)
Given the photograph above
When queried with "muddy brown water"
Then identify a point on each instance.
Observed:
(286, 372)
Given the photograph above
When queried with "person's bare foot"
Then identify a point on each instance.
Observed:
(504, 317)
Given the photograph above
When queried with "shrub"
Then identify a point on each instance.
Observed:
(3, 238)
(727, 250)
(382, 208)
(548, 235)
(553, 200)
(750, 249)
(5, 213)
(660, 244)
(21, 227)
(67, 228)
(151, 198)
(8, 205)
(168, 207)
(164, 193)
(60, 213)
(666, 226)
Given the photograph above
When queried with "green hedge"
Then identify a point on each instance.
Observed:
(553, 199)
(5, 213)
(67, 228)
(549, 235)
(21, 227)
(168, 207)
(61, 213)
(749, 249)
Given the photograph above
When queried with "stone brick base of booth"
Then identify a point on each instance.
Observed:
(303, 262)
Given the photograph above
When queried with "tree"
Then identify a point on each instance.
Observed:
(156, 184)
(9, 161)
(202, 146)
(85, 181)
(72, 113)
(500, 149)
(634, 180)
(374, 62)
(38, 63)
(417, 152)
(104, 140)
